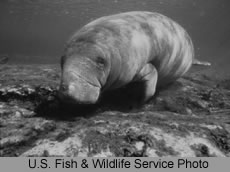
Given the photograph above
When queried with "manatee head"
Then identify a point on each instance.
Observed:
(84, 72)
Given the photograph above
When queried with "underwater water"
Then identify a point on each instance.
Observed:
(35, 31)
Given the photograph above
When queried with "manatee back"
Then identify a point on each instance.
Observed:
(173, 50)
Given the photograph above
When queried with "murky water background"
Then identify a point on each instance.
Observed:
(34, 31)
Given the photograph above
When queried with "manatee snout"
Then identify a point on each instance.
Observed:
(78, 91)
(80, 82)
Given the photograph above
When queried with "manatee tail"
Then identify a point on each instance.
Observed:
(198, 62)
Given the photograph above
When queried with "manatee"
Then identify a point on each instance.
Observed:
(113, 51)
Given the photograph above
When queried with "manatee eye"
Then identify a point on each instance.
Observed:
(101, 61)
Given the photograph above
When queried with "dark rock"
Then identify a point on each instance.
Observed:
(201, 150)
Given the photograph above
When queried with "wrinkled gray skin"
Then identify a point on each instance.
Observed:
(83, 75)
(113, 51)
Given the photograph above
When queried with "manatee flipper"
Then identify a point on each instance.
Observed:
(198, 62)
(149, 76)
